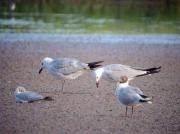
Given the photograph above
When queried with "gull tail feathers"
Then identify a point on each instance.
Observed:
(93, 65)
(145, 99)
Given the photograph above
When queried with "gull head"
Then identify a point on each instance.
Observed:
(98, 74)
(123, 82)
(45, 63)
(123, 79)
(20, 90)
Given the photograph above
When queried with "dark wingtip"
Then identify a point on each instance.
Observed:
(153, 69)
(97, 62)
(157, 70)
(143, 96)
(93, 65)
(48, 98)
(145, 101)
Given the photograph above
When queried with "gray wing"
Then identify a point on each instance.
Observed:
(118, 70)
(137, 90)
(29, 96)
(67, 66)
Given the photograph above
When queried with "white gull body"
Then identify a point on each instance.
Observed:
(24, 96)
(66, 68)
(113, 72)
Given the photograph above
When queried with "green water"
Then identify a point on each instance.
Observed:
(90, 16)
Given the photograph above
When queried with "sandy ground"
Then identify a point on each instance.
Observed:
(84, 109)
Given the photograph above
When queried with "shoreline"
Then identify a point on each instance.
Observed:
(155, 39)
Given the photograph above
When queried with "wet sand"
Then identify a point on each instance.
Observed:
(84, 109)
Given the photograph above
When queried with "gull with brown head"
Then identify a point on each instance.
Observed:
(129, 95)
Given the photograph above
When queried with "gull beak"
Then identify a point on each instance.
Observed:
(40, 70)
(97, 84)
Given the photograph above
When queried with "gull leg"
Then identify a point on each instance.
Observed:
(63, 82)
(132, 111)
(114, 87)
(126, 110)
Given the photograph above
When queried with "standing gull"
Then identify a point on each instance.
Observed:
(130, 96)
(113, 72)
(23, 96)
(66, 68)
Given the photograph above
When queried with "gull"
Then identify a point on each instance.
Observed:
(24, 96)
(66, 68)
(113, 72)
(130, 96)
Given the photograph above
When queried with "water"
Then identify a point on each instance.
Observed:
(108, 21)
(92, 38)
